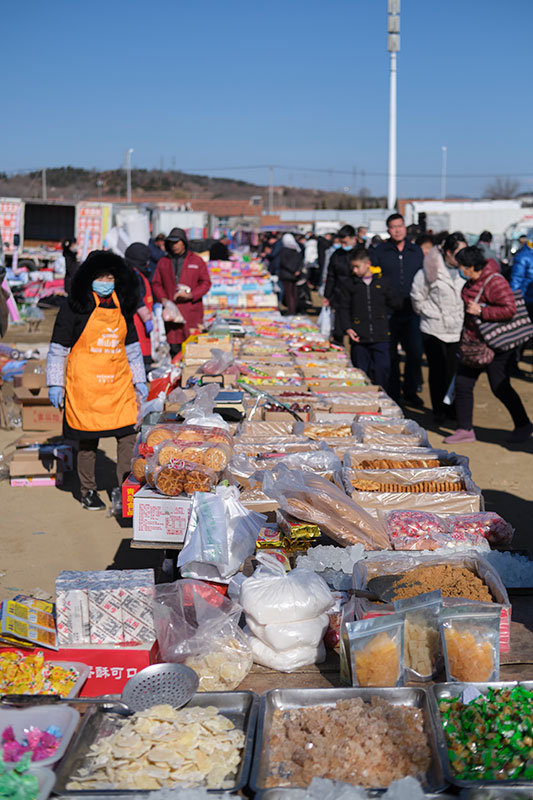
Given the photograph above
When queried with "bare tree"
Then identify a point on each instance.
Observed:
(502, 189)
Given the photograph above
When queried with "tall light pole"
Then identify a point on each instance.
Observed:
(393, 46)
(443, 173)
(271, 191)
(128, 174)
(44, 192)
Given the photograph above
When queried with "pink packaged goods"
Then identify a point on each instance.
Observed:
(422, 530)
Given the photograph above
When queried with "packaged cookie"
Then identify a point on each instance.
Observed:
(213, 455)
(181, 477)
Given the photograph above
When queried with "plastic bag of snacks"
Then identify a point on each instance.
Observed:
(215, 456)
(422, 649)
(311, 498)
(376, 650)
(186, 433)
(483, 523)
(403, 458)
(422, 530)
(471, 642)
(197, 626)
(391, 431)
(179, 477)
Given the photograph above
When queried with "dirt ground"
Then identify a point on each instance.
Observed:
(45, 530)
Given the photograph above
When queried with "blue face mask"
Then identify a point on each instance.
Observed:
(347, 247)
(461, 273)
(104, 288)
(336, 246)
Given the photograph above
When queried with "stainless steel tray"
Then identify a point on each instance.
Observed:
(443, 691)
(297, 698)
(501, 793)
(299, 794)
(240, 707)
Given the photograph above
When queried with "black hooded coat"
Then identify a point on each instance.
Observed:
(75, 312)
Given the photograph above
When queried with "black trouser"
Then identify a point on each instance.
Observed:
(374, 359)
(87, 460)
(405, 330)
(442, 364)
(498, 372)
(290, 296)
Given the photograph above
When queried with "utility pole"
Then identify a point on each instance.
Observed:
(443, 173)
(271, 192)
(128, 174)
(44, 185)
(393, 46)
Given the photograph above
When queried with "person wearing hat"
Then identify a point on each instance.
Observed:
(94, 338)
(137, 256)
(182, 278)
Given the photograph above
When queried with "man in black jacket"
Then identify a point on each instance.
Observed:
(400, 260)
(366, 300)
(338, 270)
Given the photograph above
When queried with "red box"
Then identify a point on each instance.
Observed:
(111, 667)
(130, 487)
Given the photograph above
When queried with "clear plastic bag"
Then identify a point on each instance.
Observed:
(200, 410)
(171, 313)
(376, 650)
(216, 456)
(285, 660)
(186, 433)
(220, 536)
(179, 477)
(220, 362)
(197, 626)
(422, 648)
(391, 431)
(271, 596)
(324, 430)
(423, 530)
(272, 447)
(314, 499)
(483, 523)
(269, 429)
(322, 462)
(288, 635)
(408, 458)
(471, 643)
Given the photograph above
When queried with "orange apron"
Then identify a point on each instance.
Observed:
(99, 392)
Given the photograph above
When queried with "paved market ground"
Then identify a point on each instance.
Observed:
(45, 530)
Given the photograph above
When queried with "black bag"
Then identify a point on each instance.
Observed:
(508, 334)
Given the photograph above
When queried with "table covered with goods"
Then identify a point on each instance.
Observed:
(346, 618)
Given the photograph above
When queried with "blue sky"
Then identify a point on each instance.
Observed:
(298, 83)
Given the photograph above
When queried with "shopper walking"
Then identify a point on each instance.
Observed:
(94, 337)
(522, 275)
(71, 262)
(366, 301)
(487, 296)
(436, 298)
(338, 269)
(182, 278)
(400, 260)
(291, 264)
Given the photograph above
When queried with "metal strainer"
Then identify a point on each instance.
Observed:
(174, 684)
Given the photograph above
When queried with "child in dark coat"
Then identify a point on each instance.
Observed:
(366, 300)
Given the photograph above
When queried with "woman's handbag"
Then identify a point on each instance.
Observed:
(474, 353)
(505, 335)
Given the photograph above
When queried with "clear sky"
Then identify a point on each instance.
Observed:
(207, 84)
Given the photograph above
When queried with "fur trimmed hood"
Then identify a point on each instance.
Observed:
(126, 282)
(433, 261)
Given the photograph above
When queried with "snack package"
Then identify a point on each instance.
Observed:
(321, 462)
(310, 498)
(284, 660)
(269, 429)
(273, 447)
(376, 650)
(297, 535)
(422, 649)
(391, 431)
(183, 433)
(271, 596)
(422, 530)
(198, 626)
(180, 477)
(483, 523)
(403, 458)
(215, 456)
(319, 431)
(288, 635)
(471, 642)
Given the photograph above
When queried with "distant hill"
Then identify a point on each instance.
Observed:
(71, 184)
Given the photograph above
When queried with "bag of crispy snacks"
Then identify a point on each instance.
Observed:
(471, 642)
(421, 637)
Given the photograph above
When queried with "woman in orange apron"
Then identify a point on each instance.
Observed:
(94, 337)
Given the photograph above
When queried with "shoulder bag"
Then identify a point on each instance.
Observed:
(504, 335)
(475, 353)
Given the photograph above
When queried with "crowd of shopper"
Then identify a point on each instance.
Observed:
(413, 293)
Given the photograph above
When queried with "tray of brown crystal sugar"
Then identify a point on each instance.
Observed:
(369, 737)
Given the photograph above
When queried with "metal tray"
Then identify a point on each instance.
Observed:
(299, 794)
(240, 707)
(520, 792)
(297, 698)
(443, 691)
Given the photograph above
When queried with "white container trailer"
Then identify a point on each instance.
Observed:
(471, 217)
(195, 223)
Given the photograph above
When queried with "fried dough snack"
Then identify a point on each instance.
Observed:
(419, 488)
